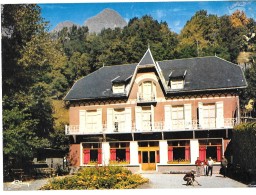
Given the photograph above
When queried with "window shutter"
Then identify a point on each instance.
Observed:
(99, 156)
(138, 111)
(188, 116)
(82, 120)
(110, 125)
(86, 156)
(153, 117)
(201, 115)
(219, 115)
(128, 119)
(113, 154)
(127, 155)
(170, 153)
(168, 117)
(99, 119)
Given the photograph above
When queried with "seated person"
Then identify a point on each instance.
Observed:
(190, 177)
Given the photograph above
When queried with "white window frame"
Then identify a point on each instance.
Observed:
(177, 84)
(179, 117)
(118, 88)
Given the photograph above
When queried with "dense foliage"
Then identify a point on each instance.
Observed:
(243, 151)
(91, 178)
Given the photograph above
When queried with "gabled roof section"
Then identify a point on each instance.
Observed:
(147, 59)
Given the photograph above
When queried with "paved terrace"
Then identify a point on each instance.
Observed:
(156, 181)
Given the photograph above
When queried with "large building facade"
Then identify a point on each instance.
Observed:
(154, 115)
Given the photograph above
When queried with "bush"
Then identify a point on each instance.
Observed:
(91, 178)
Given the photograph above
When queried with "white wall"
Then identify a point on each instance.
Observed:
(163, 152)
(194, 150)
(134, 153)
(105, 153)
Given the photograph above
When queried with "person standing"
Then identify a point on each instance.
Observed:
(205, 167)
(198, 167)
(209, 166)
(224, 165)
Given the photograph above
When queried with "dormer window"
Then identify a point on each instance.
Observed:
(118, 88)
(177, 84)
(177, 79)
(120, 83)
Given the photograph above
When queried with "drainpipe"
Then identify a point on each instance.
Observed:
(238, 110)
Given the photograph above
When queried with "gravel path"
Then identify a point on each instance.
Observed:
(25, 186)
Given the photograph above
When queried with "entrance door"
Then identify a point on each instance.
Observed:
(148, 160)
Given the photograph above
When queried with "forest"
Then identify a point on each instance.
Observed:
(39, 67)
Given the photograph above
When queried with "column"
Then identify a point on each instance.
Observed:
(105, 153)
(194, 150)
(163, 152)
(134, 153)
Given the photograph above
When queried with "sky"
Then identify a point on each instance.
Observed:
(175, 13)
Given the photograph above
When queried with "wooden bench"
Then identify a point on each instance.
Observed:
(17, 173)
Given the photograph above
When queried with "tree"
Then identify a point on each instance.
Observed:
(29, 58)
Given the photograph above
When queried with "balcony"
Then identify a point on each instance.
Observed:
(146, 98)
(179, 125)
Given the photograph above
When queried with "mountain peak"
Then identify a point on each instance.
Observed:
(107, 18)
(64, 24)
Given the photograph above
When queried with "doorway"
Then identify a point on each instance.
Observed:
(148, 158)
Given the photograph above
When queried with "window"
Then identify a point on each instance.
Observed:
(177, 84)
(118, 88)
(147, 91)
(209, 115)
(146, 118)
(178, 117)
(92, 153)
(91, 120)
(119, 119)
(210, 148)
(178, 152)
(119, 153)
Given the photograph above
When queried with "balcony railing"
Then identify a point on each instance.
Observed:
(146, 97)
(178, 125)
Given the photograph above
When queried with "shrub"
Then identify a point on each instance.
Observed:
(106, 177)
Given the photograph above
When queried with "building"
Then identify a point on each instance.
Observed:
(154, 115)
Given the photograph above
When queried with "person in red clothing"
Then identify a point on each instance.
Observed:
(198, 167)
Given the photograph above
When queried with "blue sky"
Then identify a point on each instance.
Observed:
(175, 13)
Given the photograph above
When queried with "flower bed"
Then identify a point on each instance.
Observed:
(91, 178)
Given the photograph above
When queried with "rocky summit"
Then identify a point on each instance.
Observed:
(62, 25)
(108, 18)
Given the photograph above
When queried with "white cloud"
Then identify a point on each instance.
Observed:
(160, 14)
(177, 23)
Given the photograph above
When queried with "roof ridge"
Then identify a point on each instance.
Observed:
(187, 58)
(119, 65)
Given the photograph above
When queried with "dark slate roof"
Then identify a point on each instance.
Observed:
(147, 59)
(205, 73)
(99, 83)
